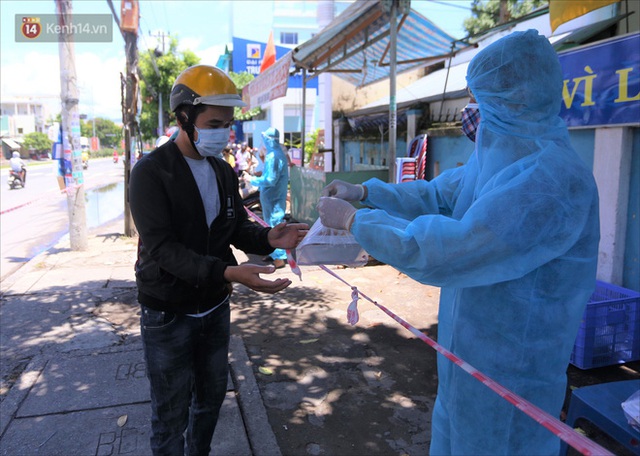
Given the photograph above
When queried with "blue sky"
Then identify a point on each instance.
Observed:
(32, 69)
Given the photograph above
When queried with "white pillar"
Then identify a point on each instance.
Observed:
(337, 147)
(277, 116)
(325, 13)
(612, 169)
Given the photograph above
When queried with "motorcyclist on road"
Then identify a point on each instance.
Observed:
(18, 166)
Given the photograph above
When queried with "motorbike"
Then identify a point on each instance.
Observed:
(15, 180)
(250, 194)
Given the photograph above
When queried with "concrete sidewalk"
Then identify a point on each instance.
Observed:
(73, 378)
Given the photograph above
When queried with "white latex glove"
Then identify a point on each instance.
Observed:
(336, 213)
(344, 190)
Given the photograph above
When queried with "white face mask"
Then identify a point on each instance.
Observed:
(211, 141)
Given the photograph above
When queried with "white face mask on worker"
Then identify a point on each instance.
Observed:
(211, 141)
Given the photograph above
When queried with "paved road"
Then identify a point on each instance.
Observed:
(36, 217)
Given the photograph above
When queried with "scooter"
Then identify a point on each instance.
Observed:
(250, 194)
(15, 180)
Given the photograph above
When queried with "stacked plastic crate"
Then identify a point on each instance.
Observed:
(610, 329)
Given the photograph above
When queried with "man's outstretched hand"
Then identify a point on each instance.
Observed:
(287, 235)
(249, 275)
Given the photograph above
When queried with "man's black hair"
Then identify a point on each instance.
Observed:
(187, 115)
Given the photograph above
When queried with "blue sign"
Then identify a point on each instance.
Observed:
(602, 83)
(247, 56)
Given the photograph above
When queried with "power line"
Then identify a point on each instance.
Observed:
(453, 5)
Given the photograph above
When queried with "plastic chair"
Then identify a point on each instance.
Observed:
(601, 405)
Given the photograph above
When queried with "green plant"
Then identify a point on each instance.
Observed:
(37, 141)
(310, 146)
(241, 80)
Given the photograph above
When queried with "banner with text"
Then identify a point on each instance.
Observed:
(269, 85)
(602, 83)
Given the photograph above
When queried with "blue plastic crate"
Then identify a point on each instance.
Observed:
(610, 329)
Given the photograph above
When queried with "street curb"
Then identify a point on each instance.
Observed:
(259, 432)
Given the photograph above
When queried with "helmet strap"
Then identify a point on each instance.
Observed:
(188, 125)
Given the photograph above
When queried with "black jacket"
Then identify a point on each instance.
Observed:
(181, 260)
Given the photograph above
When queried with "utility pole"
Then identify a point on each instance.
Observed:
(71, 129)
(129, 15)
(393, 107)
(504, 15)
(162, 36)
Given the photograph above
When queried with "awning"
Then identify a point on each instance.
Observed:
(578, 36)
(431, 88)
(425, 90)
(355, 45)
(365, 122)
(11, 144)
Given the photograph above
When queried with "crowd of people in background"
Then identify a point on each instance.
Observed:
(244, 159)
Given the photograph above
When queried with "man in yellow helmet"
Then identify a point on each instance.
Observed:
(188, 211)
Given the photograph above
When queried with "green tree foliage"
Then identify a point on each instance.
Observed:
(86, 129)
(487, 13)
(310, 145)
(155, 84)
(37, 141)
(241, 80)
(109, 133)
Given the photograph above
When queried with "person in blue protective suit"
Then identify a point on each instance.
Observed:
(273, 184)
(511, 238)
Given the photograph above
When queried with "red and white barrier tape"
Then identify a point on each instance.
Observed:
(40, 200)
(578, 441)
(557, 427)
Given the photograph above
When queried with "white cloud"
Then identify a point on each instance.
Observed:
(99, 85)
(37, 75)
(210, 55)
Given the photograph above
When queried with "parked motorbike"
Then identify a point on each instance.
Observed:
(15, 180)
(250, 194)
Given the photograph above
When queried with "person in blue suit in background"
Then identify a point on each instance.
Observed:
(511, 238)
(273, 184)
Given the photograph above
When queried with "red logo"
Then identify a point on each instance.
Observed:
(31, 27)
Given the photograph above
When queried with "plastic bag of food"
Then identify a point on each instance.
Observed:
(631, 408)
(324, 245)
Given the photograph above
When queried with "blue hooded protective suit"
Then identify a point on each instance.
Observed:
(273, 184)
(512, 239)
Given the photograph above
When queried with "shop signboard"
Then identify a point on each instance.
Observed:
(602, 83)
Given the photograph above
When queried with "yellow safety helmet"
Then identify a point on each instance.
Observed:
(204, 84)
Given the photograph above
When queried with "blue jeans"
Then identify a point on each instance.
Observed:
(187, 367)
